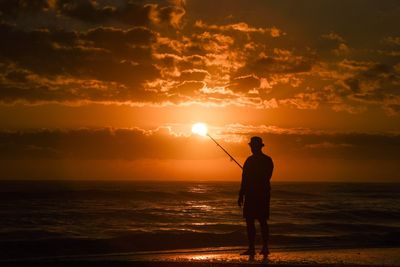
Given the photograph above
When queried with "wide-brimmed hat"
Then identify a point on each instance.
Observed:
(256, 141)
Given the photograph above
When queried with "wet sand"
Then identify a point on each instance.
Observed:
(225, 256)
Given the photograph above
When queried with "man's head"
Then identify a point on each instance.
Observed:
(256, 144)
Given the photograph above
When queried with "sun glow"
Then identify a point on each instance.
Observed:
(200, 129)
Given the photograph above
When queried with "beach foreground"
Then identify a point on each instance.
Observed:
(225, 256)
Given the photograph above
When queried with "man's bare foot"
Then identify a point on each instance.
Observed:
(264, 251)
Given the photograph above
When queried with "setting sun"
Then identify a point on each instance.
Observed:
(200, 129)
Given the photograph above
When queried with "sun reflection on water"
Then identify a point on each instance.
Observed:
(202, 207)
(199, 189)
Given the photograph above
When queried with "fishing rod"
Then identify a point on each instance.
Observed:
(201, 129)
(223, 149)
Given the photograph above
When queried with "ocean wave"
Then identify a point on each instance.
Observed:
(131, 195)
(356, 215)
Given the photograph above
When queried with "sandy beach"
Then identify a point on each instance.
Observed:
(225, 256)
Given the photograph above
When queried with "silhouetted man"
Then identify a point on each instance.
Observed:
(255, 189)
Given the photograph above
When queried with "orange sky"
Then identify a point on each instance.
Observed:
(109, 89)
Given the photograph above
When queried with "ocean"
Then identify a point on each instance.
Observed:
(42, 218)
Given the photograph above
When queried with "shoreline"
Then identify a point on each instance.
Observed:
(224, 256)
(188, 241)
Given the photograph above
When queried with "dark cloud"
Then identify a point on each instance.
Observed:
(245, 83)
(374, 84)
(342, 146)
(128, 12)
(265, 65)
(150, 52)
(17, 75)
(97, 144)
(333, 37)
(22, 85)
(133, 44)
(164, 144)
(303, 143)
(393, 109)
(353, 84)
(392, 40)
(53, 52)
(12, 8)
(54, 58)
(38, 50)
(193, 75)
(171, 14)
(188, 87)
(86, 10)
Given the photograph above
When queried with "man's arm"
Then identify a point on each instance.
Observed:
(243, 184)
(270, 169)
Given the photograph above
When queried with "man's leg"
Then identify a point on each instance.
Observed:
(265, 235)
(251, 232)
